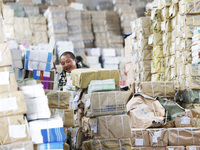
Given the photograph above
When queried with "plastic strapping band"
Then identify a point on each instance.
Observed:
(63, 115)
(58, 99)
(154, 110)
(166, 117)
(99, 102)
(116, 102)
(48, 132)
(122, 120)
(162, 140)
(193, 136)
(143, 137)
(48, 146)
(178, 135)
(165, 88)
(120, 144)
(8, 127)
(107, 126)
(193, 19)
(135, 134)
(152, 89)
(100, 144)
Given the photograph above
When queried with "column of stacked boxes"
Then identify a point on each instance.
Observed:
(14, 132)
(102, 118)
(106, 27)
(57, 24)
(127, 13)
(141, 54)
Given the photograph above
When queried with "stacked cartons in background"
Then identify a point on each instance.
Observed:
(93, 56)
(127, 13)
(31, 10)
(14, 131)
(98, 114)
(18, 9)
(57, 24)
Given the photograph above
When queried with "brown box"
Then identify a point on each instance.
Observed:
(18, 146)
(158, 137)
(140, 138)
(8, 82)
(106, 103)
(13, 129)
(186, 120)
(82, 77)
(5, 55)
(12, 103)
(183, 136)
(147, 148)
(67, 116)
(192, 147)
(107, 144)
(175, 148)
(58, 99)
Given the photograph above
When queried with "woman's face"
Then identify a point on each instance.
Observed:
(68, 64)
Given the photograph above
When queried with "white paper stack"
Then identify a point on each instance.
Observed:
(37, 102)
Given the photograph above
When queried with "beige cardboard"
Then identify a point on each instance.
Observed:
(77, 138)
(145, 76)
(58, 99)
(114, 144)
(192, 147)
(17, 146)
(139, 138)
(145, 55)
(192, 82)
(106, 103)
(192, 70)
(66, 146)
(157, 89)
(192, 20)
(142, 110)
(166, 26)
(37, 20)
(165, 13)
(101, 127)
(39, 37)
(166, 49)
(145, 65)
(155, 39)
(183, 136)
(156, 14)
(157, 65)
(181, 83)
(158, 137)
(175, 148)
(82, 77)
(196, 122)
(166, 37)
(67, 116)
(143, 22)
(15, 102)
(12, 86)
(189, 7)
(186, 120)
(157, 26)
(14, 129)
(173, 10)
(157, 77)
(147, 148)
(188, 31)
(5, 55)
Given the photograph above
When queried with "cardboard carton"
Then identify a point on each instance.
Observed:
(140, 138)
(5, 55)
(19, 145)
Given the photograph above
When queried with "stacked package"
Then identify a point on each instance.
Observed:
(14, 133)
(39, 30)
(141, 54)
(9, 22)
(57, 24)
(56, 2)
(92, 57)
(104, 5)
(80, 29)
(31, 11)
(106, 27)
(127, 14)
(25, 2)
(98, 114)
(18, 9)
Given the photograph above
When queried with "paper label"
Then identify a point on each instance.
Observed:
(46, 74)
(139, 142)
(17, 131)
(88, 103)
(94, 127)
(192, 148)
(157, 134)
(38, 73)
(170, 148)
(155, 140)
(185, 120)
(7, 104)
(4, 78)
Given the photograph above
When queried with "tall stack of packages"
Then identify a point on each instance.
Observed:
(92, 56)
(18, 9)
(45, 132)
(31, 10)
(25, 2)
(126, 12)
(141, 54)
(102, 110)
(57, 24)
(106, 27)
(39, 30)
(13, 125)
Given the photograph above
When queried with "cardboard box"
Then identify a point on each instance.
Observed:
(175, 148)
(192, 70)
(141, 110)
(67, 116)
(192, 147)
(37, 20)
(158, 52)
(101, 127)
(58, 99)
(140, 138)
(147, 148)
(82, 77)
(183, 136)
(157, 89)
(157, 77)
(185, 120)
(19, 145)
(7, 82)
(157, 65)
(106, 103)
(14, 129)
(12, 103)
(189, 7)
(158, 137)
(5, 55)
(77, 138)
(192, 82)
(107, 144)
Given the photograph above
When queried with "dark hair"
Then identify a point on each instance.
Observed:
(79, 58)
(68, 53)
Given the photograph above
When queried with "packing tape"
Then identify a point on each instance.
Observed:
(58, 99)
(154, 110)
(143, 137)
(193, 136)
(120, 144)
(8, 129)
(161, 140)
(178, 135)
(152, 89)
(122, 120)
(107, 126)
(100, 144)
(199, 96)
(198, 69)
(165, 88)
(99, 102)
